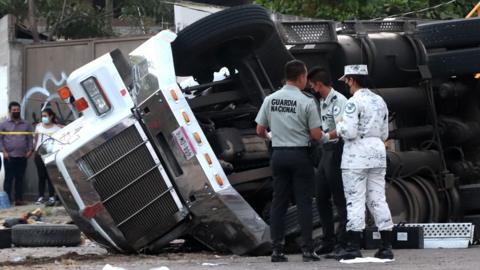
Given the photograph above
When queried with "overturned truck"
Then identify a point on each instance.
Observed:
(149, 161)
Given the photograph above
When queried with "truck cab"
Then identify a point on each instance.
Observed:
(135, 170)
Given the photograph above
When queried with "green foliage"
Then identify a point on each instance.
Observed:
(157, 11)
(144, 13)
(368, 9)
(16, 7)
(72, 19)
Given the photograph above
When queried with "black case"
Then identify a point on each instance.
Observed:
(403, 237)
(407, 237)
(5, 238)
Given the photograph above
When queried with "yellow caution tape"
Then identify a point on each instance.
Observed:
(22, 133)
(16, 133)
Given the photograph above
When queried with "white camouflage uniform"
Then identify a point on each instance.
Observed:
(364, 128)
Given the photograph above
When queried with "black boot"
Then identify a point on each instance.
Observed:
(385, 251)
(338, 248)
(328, 245)
(277, 254)
(310, 256)
(352, 247)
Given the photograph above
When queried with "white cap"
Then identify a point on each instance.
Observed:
(354, 70)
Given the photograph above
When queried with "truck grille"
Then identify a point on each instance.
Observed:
(130, 185)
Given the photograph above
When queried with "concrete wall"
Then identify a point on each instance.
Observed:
(15, 66)
(186, 14)
(11, 64)
(4, 60)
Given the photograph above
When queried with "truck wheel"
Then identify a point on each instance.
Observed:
(199, 46)
(450, 34)
(41, 235)
(455, 62)
(470, 198)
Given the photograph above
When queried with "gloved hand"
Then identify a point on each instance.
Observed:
(269, 135)
(325, 137)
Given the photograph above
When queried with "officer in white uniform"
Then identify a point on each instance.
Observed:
(329, 175)
(364, 128)
(293, 120)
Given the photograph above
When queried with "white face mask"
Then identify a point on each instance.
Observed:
(45, 120)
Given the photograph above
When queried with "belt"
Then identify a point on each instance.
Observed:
(291, 148)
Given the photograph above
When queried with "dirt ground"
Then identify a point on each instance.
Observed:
(427, 259)
(91, 256)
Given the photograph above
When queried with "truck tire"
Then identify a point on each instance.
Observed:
(470, 198)
(455, 62)
(42, 235)
(450, 34)
(198, 46)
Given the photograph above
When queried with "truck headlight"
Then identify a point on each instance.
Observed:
(96, 95)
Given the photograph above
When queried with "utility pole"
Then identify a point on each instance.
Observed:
(33, 21)
(109, 15)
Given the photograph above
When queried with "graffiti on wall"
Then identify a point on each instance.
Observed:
(49, 97)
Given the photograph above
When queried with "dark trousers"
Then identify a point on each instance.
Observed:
(292, 172)
(43, 178)
(330, 186)
(14, 171)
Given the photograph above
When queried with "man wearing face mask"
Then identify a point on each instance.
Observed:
(329, 176)
(364, 128)
(17, 145)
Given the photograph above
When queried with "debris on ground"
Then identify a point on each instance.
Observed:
(31, 225)
(109, 267)
(31, 217)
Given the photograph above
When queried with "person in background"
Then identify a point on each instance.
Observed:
(364, 128)
(43, 131)
(329, 175)
(17, 146)
(293, 120)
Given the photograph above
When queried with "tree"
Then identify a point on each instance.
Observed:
(145, 13)
(32, 17)
(15, 7)
(71, 19)
(369, 9)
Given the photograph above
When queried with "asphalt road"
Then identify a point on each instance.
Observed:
(67, 258)
(91, 256)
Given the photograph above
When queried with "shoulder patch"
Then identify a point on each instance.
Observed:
(350, 107)
(336, 110)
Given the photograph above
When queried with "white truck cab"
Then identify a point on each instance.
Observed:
(135, 170)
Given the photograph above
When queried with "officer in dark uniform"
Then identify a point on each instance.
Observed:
(329, 175)
(293, 120)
